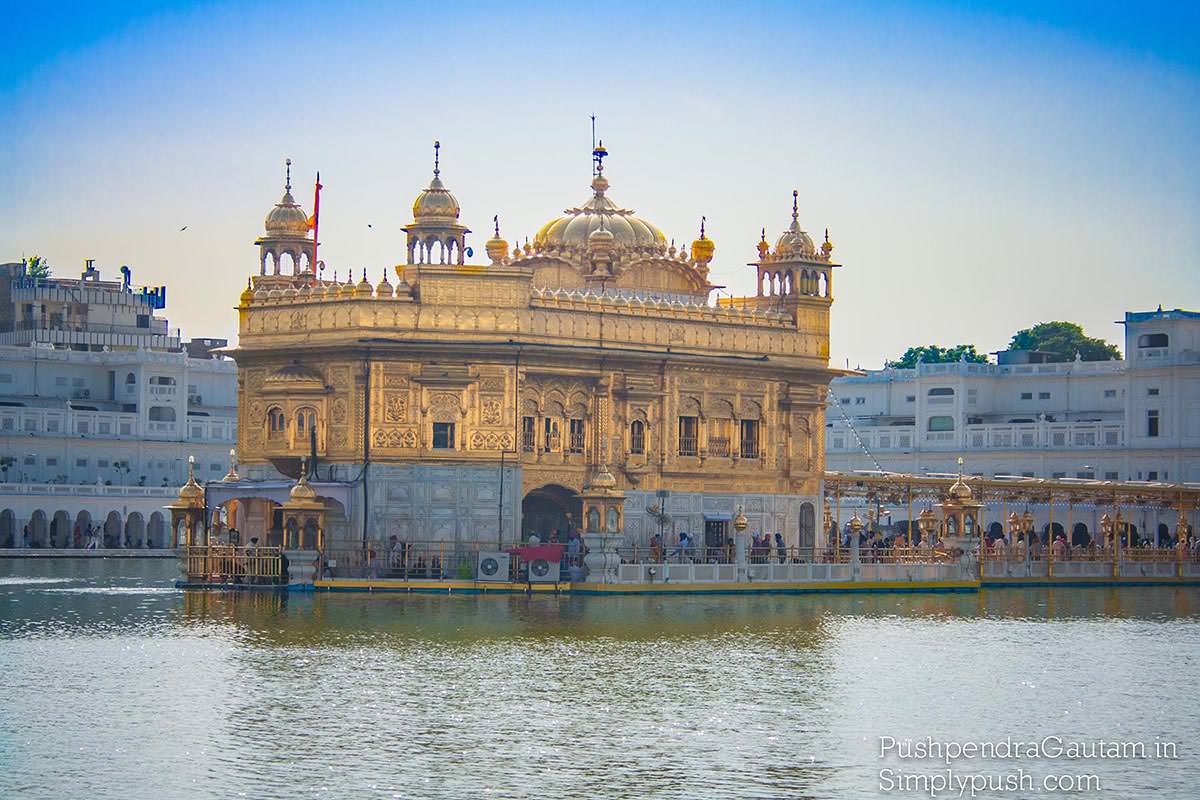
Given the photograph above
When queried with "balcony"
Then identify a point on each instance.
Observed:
(718, 446)
(1054, 435)
(112, 425)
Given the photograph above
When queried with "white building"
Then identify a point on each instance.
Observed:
(1131, 420)
(100, 407)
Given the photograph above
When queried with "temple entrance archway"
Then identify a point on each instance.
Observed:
(549, 509)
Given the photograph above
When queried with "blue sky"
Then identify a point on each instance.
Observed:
(981, 167)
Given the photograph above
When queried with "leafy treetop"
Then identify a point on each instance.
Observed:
(36, 267)
(936, 354)
(1062, 340)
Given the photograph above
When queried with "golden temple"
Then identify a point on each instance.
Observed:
(586, 379)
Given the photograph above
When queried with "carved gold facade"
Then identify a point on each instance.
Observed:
(593, 349)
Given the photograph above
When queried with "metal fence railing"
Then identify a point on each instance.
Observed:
(403, 561)
(234, 565)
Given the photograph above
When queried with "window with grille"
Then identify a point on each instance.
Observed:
(749, 438)
(275, 423)
(550, 439)
(443, 435)
(575, 444)
(688, 426)
(637, 437)
(718, 437)
(528, 435)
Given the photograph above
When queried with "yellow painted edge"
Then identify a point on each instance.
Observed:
(764, 586)
(383, 583)
(1106, 579)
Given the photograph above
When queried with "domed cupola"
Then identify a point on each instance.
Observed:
(794, 242)
(435, 235)
(286, 234)
(569, 234)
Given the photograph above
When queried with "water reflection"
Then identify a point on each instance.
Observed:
(112, 675)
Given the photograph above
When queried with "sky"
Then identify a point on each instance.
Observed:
(981, 167)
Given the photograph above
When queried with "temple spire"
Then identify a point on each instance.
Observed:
(437, 166)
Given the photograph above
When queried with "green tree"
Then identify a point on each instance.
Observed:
(936, 354)
(1063, 340)
(37, 267)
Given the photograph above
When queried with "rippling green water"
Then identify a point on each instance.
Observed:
(115, 685)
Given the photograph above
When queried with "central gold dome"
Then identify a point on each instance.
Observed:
(572, 230)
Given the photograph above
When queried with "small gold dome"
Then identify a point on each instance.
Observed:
(703, 248)
(794, 242)
(364, 286)
(497, 247)
(960, 491)
(601, 240)
(436, 204)
(191, 494)
(287, 219)
(247, 295)
(302, 491)
(764, 247)
(384, 289)
(603, 479)
(827, 246)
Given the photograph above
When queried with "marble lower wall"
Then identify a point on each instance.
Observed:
(765, 513)
(429, 502)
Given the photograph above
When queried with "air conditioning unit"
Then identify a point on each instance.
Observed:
(543, 571)
(82, 394)
(493, 567)
(195, 399)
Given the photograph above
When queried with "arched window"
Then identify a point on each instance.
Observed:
(162, 414)
(941, 424)
(637, 437)
(159, 380)
(1153, 340)
(275, 423)
(306, 420)
(130, 379)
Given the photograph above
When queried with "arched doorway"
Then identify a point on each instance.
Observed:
(8, 528)
(83, 524)
(549, 509)
(1051, 532)
(37, 529)
(113, 530)
(156, 536)
(135, 530)
(995, 531)
(60, 529)
(1080, 537)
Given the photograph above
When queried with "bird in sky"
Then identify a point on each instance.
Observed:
(184, 228)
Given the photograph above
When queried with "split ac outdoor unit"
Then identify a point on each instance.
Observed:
(493, 567)
(543, 571)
